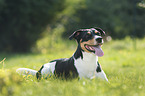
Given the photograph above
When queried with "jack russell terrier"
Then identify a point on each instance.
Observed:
(84, 62)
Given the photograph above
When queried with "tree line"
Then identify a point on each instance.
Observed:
(23, 21)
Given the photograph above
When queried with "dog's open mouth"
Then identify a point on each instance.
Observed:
(95, 49)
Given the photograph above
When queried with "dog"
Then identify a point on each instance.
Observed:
(84, 62)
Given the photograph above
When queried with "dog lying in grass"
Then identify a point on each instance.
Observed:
(84, 62)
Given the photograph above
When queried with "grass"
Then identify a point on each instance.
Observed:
(123, 65)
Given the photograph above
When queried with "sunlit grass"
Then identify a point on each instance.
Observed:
(123, 64)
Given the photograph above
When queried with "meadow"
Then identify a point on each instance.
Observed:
(123, 63)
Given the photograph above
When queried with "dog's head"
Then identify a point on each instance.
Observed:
(90, 40)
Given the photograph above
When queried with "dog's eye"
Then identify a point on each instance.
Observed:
(98, 33)
(88, 36)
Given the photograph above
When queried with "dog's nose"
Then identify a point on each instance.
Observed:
(99, 40)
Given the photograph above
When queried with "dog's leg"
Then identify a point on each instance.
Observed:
(101, 75)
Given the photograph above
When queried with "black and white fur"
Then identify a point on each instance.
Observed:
(84, 62)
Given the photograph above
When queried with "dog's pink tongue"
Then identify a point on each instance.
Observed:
(98, 51)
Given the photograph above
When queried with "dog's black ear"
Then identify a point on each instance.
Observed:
(100, 30)
(75, 35)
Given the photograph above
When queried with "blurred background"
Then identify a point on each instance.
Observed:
(33, 25)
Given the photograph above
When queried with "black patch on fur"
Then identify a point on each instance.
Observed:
(78, 53)
(65, 68)
(38, 74)
(98, 68)
(87, 36)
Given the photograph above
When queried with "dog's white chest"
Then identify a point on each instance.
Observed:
(86, 67)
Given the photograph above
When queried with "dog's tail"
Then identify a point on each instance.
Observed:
(26, 71)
